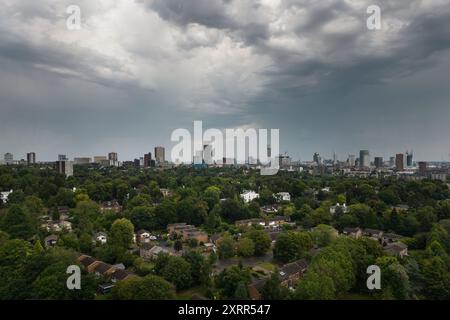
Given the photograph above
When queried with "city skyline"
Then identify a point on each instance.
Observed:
(312, 70)
(408, 158)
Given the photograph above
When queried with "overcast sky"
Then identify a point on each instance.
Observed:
(137, 70)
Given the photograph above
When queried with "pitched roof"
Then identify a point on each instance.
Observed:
(102, 267)
(86, 260)
(293, 268)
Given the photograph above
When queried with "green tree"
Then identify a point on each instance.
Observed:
(261, 241)
(315, 286)
(246, 247)
(292, 245)
(18, 223)
(150, 287)
(177, 271)
(121, 233)
(226, 247)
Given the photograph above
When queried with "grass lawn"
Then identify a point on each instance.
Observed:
(267, 265)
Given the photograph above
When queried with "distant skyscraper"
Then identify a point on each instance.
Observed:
(9, 158)
(423, 168)
(99, 159)
(208, 154)
(64, 167)
(391, 162)
(351, 160)
(62, 157)
(409, 159)
(31, 158)
(378, 162)
(148, 160)
(316, 158)
(160, 156)
(364, 159)
(82, 160)
(400, 162)
(112, 156)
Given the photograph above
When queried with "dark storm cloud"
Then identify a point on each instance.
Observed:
(311, 68)
(205, 12)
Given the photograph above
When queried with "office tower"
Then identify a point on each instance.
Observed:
(391, 162)
(364, 159)
(284, 160)
(64, 167)
(351, 160)
(198, 158)
(9, 158)
(31, 158)
(100, 159)
(378, 162)
(112, 156)
(160, 156)
(409, 159)
(316, 158)
(62, 157)
(148, 160)
(208, 154)
(82, 160)
(137, 162)
(423, 168)
(399, 162)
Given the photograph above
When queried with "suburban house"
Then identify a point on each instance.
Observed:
(290, 273)
(118, 275)
(57, 226)
(270, 223)
(282, 196)
(63, 212)
(390, 238)
(143, 236)
(149, 252)
(343, 207)
(269, 209)
(101, 237)
(165, 192)
(187, 232)
(99, 268)
(249, 222)
(4, 195)
(397, 249)
(373, 234)
(353, 232)
(276, 222)
(51, 240)
(255, 288)
(112, 205)
(248, 196)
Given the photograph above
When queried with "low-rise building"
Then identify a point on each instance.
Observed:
(282, 196)
(353, 232)
(101, 237)
(397, 249)
(4, 195)
(112, 205)
(290, 273)
(51, 240)
(150, 252)
(249, 195)
(338, 207)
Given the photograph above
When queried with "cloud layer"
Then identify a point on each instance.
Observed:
(137, 70)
